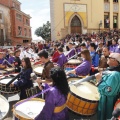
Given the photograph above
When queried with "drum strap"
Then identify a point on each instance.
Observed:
(60, 108)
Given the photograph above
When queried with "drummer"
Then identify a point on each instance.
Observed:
(2, 61)
(11, 58)
(109, 87)
(43, 55)
(62, 58)
(84, 68)
(71, 50)
(17, 61)
(55, 108)
(24, 81)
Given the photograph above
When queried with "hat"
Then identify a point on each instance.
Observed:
(116, 56)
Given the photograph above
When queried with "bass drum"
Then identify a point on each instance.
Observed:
(83, 99)
(27, 110)
(4, 107)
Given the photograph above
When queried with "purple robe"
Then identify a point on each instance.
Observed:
(53, 99)
(117, 49)
(112, 48)
(11, 60)
(71, 53)
(84, 68)
(2, 61)
(62, 60)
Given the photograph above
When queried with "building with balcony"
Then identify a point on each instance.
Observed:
(83, 16)
(20, 30)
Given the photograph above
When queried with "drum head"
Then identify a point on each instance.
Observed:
(29, 110)
(4, 107)
(10, 69)
(38, 69)
(72, 79)
(85, 90)
(74, 61)
(3, 72)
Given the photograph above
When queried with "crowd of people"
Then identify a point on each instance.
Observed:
(97, 52)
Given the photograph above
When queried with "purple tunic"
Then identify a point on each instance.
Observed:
(112, 48)
(84, 68)
(11, 60)
(2, 61)
(117, 49)
(53, 99)
(71, 53)
(62, 60)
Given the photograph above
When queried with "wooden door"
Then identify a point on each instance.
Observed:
(76, 25)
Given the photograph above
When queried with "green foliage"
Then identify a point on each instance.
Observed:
(44, 31)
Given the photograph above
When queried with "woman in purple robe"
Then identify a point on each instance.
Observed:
(84, 68)
(56, 97)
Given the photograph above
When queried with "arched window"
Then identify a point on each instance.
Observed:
(75, 21)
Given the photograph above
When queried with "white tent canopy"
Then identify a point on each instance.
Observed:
(38, 39)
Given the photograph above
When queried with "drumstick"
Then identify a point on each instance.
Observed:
(89, 78)
(17, 76)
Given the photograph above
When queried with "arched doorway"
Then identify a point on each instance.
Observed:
(76, 26)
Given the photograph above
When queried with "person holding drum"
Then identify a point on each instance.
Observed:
(71, 50)
(24, 81)
(55, 100)
(56, 54)
(43, 55)
(109, 87)
(84, 68)
(2, 61)
(62, 58)
(17, 61)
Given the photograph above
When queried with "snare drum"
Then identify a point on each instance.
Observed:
(83, 99)
(28, 110)
(2, 72)
(7, 90)
(4, 107)
(38, 69)
(71, 64)
(10, 70)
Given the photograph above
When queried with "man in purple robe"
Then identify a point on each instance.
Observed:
(71, 52)
(2, 61)
(62, 58)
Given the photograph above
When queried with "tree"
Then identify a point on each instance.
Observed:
(44, 31)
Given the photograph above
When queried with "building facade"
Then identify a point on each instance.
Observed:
(20, 30)
(83, 16)
(5, 24)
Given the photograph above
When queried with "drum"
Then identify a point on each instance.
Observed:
(2, 72)
(71, 64)
(83, 99)
(117, 105)
(4, 107)
(7, 90)
(10, 70)
(28, 110)
(72, 79)
(38, 69)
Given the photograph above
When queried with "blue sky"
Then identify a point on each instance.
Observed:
(39, 10)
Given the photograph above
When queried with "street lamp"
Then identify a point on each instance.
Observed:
(100, 25)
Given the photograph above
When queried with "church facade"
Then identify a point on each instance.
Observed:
(83, 16)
